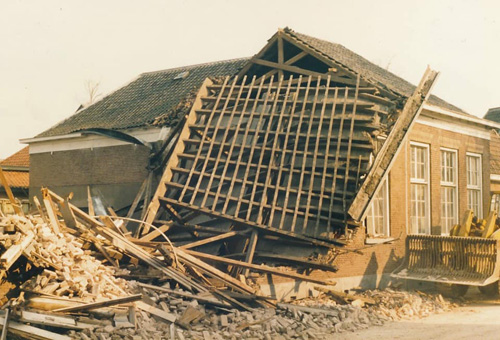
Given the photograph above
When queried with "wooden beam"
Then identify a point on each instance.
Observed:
(211, 240)
(392, 145)
(174, 160)
(49, 207)
(157, 232)
(30, 332)
(257, 268)
(135, 203)
(100, 304)
(201, 299)
(288, 68)
(248, 65)
(270, 230)
(296, 58)
(8, 191)
(89, 202)
(251, 250)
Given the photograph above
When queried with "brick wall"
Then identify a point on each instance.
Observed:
(116, 171)
(385, 258)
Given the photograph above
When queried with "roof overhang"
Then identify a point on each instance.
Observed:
(472, 120)
(81, 140)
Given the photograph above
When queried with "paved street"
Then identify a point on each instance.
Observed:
(478, 319)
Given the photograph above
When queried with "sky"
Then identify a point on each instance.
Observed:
(50, 49)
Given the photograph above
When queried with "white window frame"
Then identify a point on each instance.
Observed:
(444, 230)
(370, 219)
(479, 187)
(427, 182)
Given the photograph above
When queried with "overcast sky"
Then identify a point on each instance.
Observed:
(49, 49)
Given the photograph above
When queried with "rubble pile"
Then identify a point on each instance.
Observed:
(81, 276)
(398, 305)
(314, 318)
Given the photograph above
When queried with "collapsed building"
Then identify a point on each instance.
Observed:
(305, 150)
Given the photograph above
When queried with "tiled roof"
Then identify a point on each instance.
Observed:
(493, 114)
(19, 159)
(368, 70)
(144, 99)
(17, 179)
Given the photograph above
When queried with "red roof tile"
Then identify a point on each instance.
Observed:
(19, 159)
(17, 179)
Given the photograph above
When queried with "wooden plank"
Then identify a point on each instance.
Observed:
(258, 268)
(58, 321)
(252, 244)
(100, 304)
(201, 299)
(90, 204)
(348, 165)
(296, 58)
(30, 332)
(157, 232)
(392, 145)
(49, 207)
(211, 240)
(9, 193)
(135, 203)
(10, 256)
(156, 311)
(337, 154)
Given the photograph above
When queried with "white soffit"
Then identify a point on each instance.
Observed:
(450, 121)
(77, 141)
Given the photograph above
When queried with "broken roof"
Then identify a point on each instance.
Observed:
(376, 75)
(153, 94)
(145, 98)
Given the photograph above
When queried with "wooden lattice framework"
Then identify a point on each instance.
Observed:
(280, 155)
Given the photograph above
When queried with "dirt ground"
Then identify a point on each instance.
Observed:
(478, 318)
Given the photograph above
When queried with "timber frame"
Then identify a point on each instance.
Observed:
(281, 156)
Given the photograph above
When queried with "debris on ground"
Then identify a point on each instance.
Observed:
(78, 276)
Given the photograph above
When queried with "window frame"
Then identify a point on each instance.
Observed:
(449, 185)
(370, 216)
(478, 188)
(426, 182)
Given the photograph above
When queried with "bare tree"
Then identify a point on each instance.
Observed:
(92, 90)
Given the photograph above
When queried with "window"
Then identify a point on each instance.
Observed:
(474, 184)
(449, 199)
(377, 222)
(419, 182)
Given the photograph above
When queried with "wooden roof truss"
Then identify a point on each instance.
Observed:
(284, 155)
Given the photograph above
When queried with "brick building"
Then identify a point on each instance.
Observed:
(440, 169)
